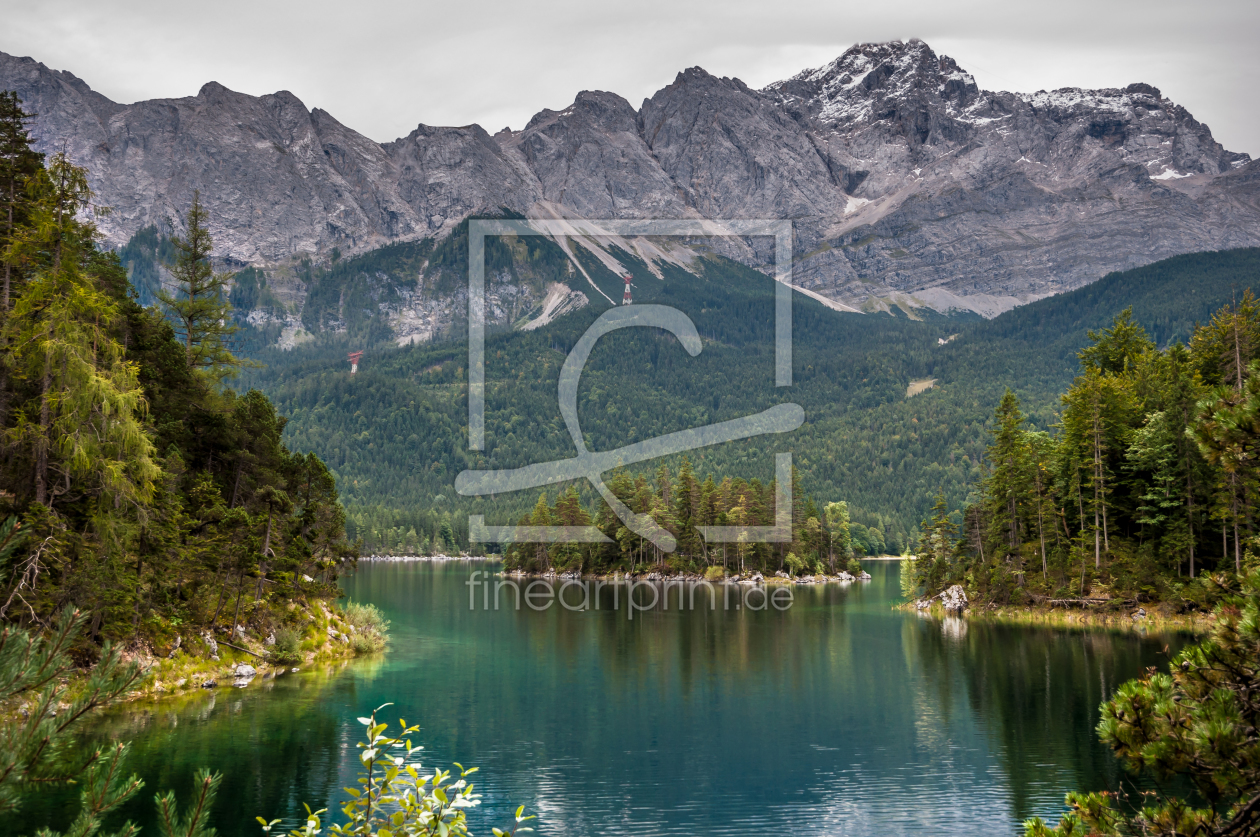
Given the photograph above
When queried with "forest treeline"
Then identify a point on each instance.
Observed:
(1147, 481)
(822, 540)
(134, 483)
(394, 433)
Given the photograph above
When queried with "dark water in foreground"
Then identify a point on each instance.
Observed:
(836, 716)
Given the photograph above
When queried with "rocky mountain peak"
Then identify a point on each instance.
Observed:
(907, 183)
(877, 81)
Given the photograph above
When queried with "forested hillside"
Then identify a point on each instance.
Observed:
(135, 483)
(395, 433)
(1148, 482)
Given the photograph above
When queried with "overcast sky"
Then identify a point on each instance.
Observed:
(382, 67)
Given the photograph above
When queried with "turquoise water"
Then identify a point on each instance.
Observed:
(837, 715)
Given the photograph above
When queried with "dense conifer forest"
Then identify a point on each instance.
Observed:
(1145, 484)
(394, 433)
(135, 483)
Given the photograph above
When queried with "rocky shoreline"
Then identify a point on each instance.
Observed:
(438, 559)
(842, 577)
(239, 657)
(953, 602)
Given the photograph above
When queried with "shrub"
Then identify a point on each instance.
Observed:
(287, 651)
(368, 642)
(396, 797)
(855, 567)
(367, 617)
(714, 574)
(371, 628)
(794, 565)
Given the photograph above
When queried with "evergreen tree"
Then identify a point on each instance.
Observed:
(1198, 723)
(839, 537)
(1007, 484)
(19, 165)
(84, 426)
(200, 304)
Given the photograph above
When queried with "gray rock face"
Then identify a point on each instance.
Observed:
(735, 153)
(907, 183)
(446, 174)
(591, 158)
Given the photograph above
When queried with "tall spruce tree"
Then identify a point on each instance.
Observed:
(19, 163)
(200, 304)
(1007, 485)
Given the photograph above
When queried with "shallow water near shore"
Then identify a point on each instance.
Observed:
(835, 715)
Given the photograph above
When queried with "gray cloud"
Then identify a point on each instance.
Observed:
(382, 66)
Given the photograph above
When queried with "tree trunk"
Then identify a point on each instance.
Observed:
(9, 237)
(236, 614)
(1190, 516)
(262, 561)
(41, 445)
(236, 485)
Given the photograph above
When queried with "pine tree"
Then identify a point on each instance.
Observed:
(200, 304)
(839, 538)
(1007, 484)
(1196, 723)
(86, 423)
(541, 516)
(19, 164)
(1224, 348)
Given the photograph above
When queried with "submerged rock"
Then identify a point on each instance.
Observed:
(244, 670)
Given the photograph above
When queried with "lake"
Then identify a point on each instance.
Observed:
(834, 715)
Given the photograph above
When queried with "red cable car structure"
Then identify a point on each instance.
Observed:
(353, 357)
(625, 298)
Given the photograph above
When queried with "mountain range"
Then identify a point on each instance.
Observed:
(908, 185)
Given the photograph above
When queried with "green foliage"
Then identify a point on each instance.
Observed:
(395, 431)
(195, 822)
(84, 419)
(794, 565)
(908, 578)
(199, 307)
(1148, 480)
(147, 494)
(371, 628)
(19, 166)
(36, 750)
(1198, 723)
(287, 650)
(397, 797)
(39, 750)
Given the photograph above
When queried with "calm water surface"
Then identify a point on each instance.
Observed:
(836, 716)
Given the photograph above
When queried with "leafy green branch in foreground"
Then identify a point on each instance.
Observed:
(397, 799)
